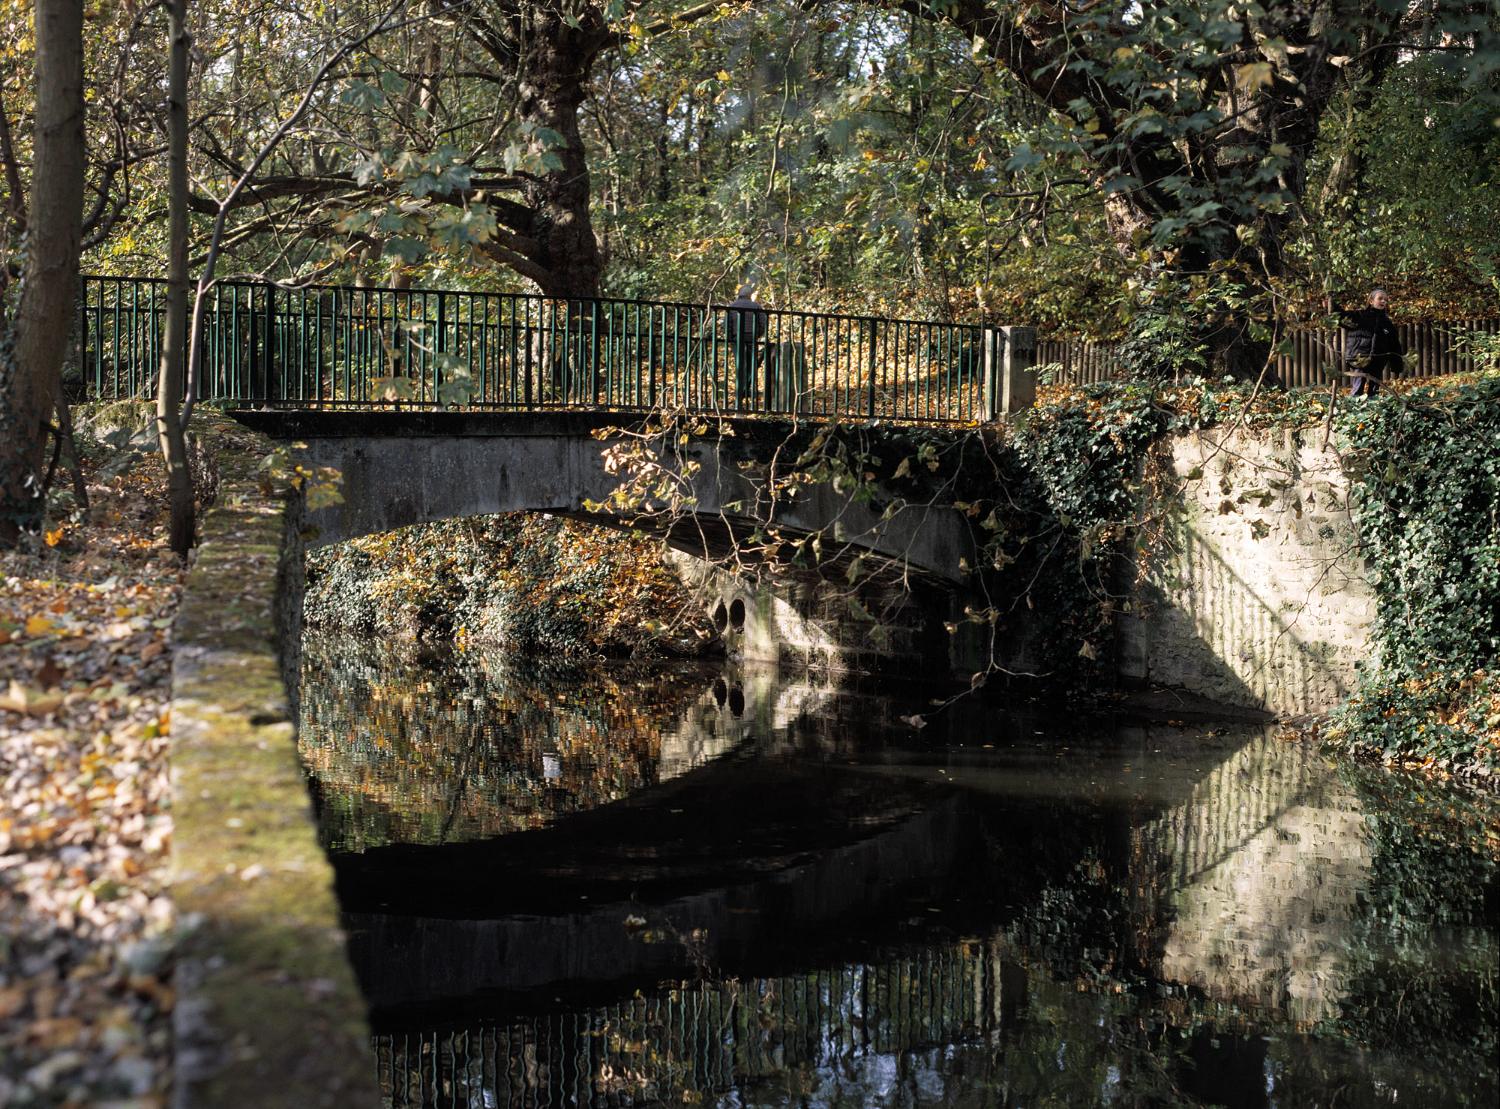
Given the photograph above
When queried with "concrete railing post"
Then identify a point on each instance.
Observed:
(1018, 380)
(1009, 370)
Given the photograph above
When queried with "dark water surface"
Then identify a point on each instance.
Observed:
(690, 885)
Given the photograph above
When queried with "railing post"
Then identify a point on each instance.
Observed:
(872, 366)
(1018, 380)
(992, 343)
(269, 346)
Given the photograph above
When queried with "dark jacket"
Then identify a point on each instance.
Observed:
(1369, 335)
(747, 322)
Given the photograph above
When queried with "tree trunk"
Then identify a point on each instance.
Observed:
(31, 355)
(169, 423)
(554, 76)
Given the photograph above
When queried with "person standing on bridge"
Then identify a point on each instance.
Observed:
(1371, 344)
(746, 323)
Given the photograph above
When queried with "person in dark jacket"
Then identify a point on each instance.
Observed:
(1372, 345)
(746, 323)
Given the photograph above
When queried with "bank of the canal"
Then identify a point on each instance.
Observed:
(267, 1012)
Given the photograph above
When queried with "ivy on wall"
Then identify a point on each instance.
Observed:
(1425, 467)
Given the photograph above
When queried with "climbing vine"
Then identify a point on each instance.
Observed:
(1426, 472)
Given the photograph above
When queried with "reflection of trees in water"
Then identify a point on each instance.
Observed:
(1434, 883)
(430, 749)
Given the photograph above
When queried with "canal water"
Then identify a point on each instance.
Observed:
(687, 884)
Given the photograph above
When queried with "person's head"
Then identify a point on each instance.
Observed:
(1379, 298)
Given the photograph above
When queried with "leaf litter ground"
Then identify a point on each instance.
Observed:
(85, 827)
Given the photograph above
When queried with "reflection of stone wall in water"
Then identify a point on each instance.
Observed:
(1264, 868)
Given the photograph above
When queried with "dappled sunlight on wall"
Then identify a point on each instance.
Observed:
(1255, 592)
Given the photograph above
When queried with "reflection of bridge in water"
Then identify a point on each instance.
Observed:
(696, 1038)
(1256, 872)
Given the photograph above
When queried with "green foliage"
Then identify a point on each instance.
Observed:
(1433, 870)
(1086, 449)
(1426, 467)
(1423, 216)
(1426, 471)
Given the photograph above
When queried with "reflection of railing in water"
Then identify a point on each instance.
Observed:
(1238, 800)
(699, 1038)
(1262, 869)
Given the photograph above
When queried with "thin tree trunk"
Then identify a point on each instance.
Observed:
(31, 356)
(169, 424)
(70, 444)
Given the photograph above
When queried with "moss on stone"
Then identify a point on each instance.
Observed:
(269, 1013)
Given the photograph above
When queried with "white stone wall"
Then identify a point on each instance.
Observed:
(1255, 592)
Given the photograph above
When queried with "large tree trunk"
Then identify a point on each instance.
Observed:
(554, 77)
(169, 421)
(31, 369)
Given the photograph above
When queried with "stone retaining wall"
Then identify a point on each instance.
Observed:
(268, 1012)
(1255, 592)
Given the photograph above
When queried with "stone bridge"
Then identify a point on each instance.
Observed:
(413, 467)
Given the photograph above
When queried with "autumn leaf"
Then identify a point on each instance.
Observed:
(38, 626)
(28, 702)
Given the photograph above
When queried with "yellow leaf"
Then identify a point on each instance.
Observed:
(723, 75)
(1256, 75)
(53, 538)
(39, 625)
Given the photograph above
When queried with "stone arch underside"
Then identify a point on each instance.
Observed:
(399, 469)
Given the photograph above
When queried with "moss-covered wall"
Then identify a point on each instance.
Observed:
(268, 1012)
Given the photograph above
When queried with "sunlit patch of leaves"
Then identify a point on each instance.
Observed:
(85, 923)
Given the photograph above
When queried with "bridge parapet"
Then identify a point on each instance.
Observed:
(417, 467)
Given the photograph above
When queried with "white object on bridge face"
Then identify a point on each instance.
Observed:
(551, 767)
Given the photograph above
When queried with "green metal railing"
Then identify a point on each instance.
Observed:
(337, 346)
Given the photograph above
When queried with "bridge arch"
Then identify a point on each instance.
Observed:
(403, 468)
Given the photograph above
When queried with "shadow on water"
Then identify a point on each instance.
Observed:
(688, 885)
